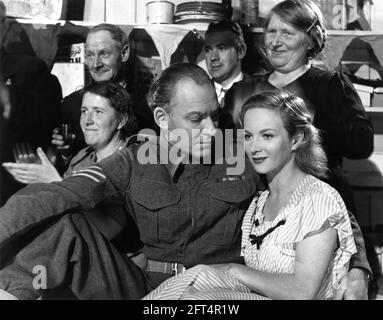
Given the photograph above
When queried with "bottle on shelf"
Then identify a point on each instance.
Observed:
(249, 12)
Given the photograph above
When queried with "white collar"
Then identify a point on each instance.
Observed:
(123, 83)
(280, 80)
(227, 86)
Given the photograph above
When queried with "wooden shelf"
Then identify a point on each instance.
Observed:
(359, 33)
(374, 109)
(199, 26)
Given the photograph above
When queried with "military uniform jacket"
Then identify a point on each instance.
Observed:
(187, 213)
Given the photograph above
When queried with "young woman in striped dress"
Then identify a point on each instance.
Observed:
(296, 235)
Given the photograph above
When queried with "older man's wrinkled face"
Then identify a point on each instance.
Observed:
(103, 56)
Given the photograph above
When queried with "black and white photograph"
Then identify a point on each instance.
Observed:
(214, 152)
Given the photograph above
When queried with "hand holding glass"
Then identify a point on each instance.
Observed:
(62, 137)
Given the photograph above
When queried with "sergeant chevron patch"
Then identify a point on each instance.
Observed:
(94, 173)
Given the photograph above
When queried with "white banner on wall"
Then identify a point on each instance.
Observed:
(46, 9)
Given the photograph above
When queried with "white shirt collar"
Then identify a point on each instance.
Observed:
(219, 87)
(123, 83)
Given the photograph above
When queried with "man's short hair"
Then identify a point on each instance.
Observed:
(115, 31)
(163, 88)
(227, 25)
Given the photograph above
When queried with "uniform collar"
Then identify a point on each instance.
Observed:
(175, 169)
(172, 168)
(161, 146)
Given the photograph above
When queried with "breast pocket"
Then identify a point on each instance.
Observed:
(156, 207)
(227, 204)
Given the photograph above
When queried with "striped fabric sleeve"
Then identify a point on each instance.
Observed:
(320, 206)
(326, 209)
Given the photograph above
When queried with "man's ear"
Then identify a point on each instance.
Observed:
(125, 53)
(161, 117)
(297, 141)
(310, 44)
(242, 51)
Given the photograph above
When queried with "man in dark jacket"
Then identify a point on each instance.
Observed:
(224, 48)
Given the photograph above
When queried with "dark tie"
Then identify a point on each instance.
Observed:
(223, 92)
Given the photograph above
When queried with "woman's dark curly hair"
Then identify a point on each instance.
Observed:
(120, 100)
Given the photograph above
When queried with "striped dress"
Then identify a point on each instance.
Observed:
(313, 207)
